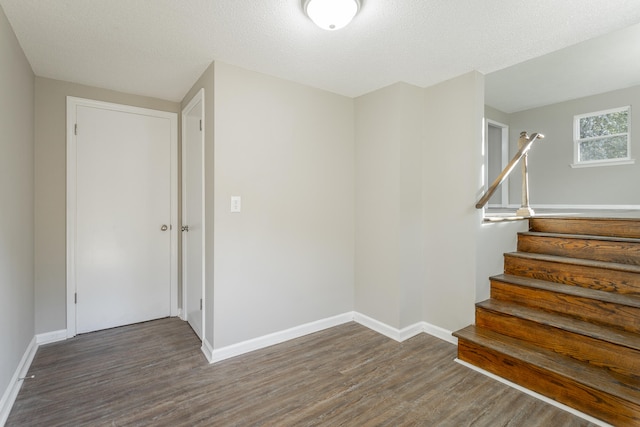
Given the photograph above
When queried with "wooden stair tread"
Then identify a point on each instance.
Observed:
(577, 261)
(603, 333)
(616, 385)
(580, 236)
(614, 226)
(577, 291)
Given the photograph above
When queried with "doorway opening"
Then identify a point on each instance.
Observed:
(496, 158)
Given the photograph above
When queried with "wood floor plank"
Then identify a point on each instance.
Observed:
(153, 374)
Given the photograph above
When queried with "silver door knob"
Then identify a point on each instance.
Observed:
(185, 228)
(164, 227)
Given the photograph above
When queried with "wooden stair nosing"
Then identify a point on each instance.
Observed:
(569, 324)
(630, 268)
(621, 227)
(628, 300)
(553, 269)
(597, 248)
(580, 372)
(580, 236)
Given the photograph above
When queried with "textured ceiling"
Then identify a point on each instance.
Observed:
(160, 47)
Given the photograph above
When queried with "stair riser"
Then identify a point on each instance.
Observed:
(594, 227)
(622, 282)
(562, 389)
(597, 250)
(599, 353)
(603, 313)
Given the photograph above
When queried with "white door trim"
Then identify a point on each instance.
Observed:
(72, 104)
(504, 188)
(198, 97)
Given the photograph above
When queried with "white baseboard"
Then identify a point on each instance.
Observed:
(278, 337)
(217, 355)
(579, 207)
(379, 327)
(536, 395)
(439, 332)
(51, 337)
(410, 331)
(207, 349)
(407, 332)
(10, 394)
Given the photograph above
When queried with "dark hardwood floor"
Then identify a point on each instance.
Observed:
(153, 374)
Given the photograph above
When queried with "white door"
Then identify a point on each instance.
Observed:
(192, 213)
(122, 217)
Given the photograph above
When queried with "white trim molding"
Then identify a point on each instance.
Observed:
(278, 337)
(379, 327)
(438, 332)
(581, 207)
(597, 163)
(207, 350)
(404, 334)
(51, 337)
(534, 394)
(10, 394)
(399, 335)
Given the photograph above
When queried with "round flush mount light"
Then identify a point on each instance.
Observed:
(331, 14)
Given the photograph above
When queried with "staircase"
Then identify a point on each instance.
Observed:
(564, 318)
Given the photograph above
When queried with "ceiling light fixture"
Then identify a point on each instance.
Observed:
(331, 14)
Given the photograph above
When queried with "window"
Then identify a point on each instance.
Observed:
(602, 138)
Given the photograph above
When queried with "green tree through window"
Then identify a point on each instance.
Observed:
(602, 136)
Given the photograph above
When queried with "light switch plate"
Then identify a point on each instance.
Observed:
(236, 204)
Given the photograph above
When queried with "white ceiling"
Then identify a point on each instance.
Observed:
(160, 47)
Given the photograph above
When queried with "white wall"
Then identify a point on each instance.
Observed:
(16, 204)
(552, 180)
(288, 257)
(452, 183)
(389, 253)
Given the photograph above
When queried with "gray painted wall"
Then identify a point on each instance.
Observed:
(288, 257)
(418, 163)
(552, 180)
(50, 189)
(452, 182)
(389, 250)
(16, 204)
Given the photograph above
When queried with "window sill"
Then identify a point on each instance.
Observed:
(603, 163)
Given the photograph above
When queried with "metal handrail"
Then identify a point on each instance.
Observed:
(524, 142)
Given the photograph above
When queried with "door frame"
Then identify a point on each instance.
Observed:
(72, 104)
(504, 188)
(198, 97)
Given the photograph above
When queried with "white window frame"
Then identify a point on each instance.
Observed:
(608, 162)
